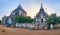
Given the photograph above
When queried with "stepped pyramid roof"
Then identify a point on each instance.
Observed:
(17, 10)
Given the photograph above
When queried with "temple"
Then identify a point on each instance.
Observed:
(19, 11)
(41, 16)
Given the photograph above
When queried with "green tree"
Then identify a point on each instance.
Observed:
(0, 21)
(52, 19)
(23, 19)
(59, 19)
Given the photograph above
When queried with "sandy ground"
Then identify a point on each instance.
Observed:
(20, 31)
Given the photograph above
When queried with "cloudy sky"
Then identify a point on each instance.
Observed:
(30, 6)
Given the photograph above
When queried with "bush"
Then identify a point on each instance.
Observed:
(0, 21)
(23, 19)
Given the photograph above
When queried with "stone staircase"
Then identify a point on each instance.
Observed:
(42, 26)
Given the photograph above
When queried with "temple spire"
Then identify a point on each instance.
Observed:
(19, 6)
(41, 6)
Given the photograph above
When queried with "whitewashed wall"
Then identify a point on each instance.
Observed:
(30, 25)
(25, 25)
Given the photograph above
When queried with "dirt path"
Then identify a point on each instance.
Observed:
(20, 31)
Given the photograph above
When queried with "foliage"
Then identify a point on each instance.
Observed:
(23, 19)
(59, 19)
(52, 19)
(0, 21)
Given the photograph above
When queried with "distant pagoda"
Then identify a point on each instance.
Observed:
(19, 11)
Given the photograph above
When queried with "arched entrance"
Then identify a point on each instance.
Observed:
(41, 20)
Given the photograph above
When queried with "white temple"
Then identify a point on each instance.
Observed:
(41, 16)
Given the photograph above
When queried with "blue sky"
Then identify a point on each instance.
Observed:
(30, 6)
